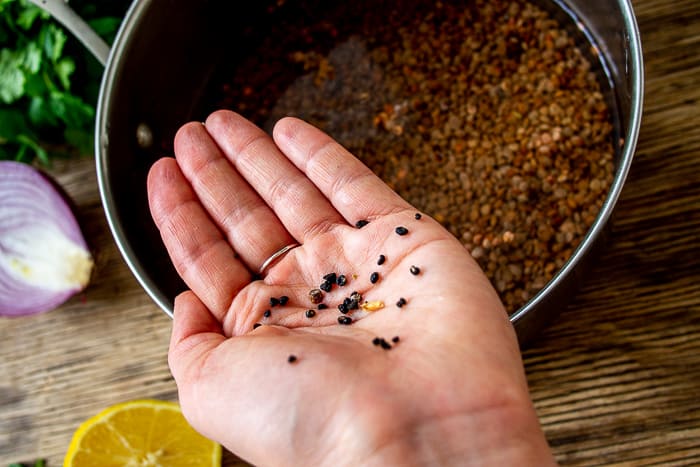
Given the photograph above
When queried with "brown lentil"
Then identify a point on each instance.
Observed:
(485, 115)
(315, 296)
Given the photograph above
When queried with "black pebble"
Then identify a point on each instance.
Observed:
(292, 358)
(381, 260)
(344, 320)
(374, 277)
(415, 270)
(283, 300)
(361, 223)
(341, 280)
(401, 230)
(267, 313)
(310, 313)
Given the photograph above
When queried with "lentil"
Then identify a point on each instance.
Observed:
(325, 286)
(401, 230)
(315, 296)
(484, 115)
(374, 277)
(415, 270)
(331, 277)
(381, 260)
(267, 313)
(321, 306)
(418, 216)
(372, 306)
(401, 302)
(395, 339)
(274, 301)
(344, 320)
(292, 358)
(310, 313)
(341, 280)
(283, 300)
(343, 308)
(361, 223)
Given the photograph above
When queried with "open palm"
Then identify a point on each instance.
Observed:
(428, 358)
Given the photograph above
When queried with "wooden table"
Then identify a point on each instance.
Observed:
(615, 379)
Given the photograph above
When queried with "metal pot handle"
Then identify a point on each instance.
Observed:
(65, 15)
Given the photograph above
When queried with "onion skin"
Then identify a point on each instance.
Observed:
(44, 259)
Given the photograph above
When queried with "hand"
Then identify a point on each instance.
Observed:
(451, 390)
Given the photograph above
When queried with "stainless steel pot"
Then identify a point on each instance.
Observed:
(161, 63)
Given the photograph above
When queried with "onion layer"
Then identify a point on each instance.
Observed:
(44, 259)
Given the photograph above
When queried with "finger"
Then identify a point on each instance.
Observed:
(196, 332)
(353, 189)
(303, 210)
(248, 223)
(200, 253)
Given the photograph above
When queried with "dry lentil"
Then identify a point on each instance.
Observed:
(344, 320)
(321, 306)
(483, 114)
(341, 280)
(310, 313)
(415, 270)
(361, 223)
(374, 277)
(418, 216)
(331, 277)
(267, 313)
(395, 339)
(274, 301)
(401, 302)
(315, 296)
(381, 260)
(401, 231)
(292, 359)
(283, 300)
(325, 286)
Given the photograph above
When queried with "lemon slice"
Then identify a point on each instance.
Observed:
(144, 433)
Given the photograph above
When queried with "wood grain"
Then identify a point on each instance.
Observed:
(615, 379)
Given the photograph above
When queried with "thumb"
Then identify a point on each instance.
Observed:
(196, 332)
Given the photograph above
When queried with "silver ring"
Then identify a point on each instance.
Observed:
(275, 256)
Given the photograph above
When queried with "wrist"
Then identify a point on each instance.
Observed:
(494, 437)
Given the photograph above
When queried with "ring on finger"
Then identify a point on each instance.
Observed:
(276, 256)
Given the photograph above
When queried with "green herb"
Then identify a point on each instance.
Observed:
(38, 463)
(48, 81)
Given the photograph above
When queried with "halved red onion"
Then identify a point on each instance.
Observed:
(44, 259)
